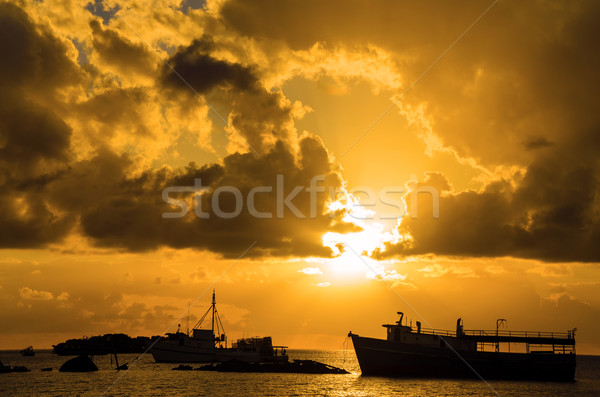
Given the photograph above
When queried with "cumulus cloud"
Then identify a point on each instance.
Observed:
(110, 191)
(258, 118)
(33, 137)
(533, 112)
(129, 215)
(550, 214)
(34, 140)
(118, 54)
(497, 111)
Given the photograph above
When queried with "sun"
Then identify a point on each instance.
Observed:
(353, 250)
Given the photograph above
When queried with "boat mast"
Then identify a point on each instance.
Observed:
(213, 312)
(187, 326)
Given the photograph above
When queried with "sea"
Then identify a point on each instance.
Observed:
(147, 378)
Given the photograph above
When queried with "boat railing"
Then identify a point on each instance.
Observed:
(500, 333)
(521, 334)
(433, 331)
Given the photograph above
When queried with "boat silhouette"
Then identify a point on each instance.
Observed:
(28, 351)
(420, 352)
(210, 345)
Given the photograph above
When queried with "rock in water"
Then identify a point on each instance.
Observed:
(4, 368)
(182, 367)
(79, 364)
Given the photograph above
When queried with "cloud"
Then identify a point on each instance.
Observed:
(63, 296)
(533, 110)
(88, 167)
(28, 293)
(437, 270)
(550, 214)
(302, 25)
(481, 107)
(194, 65)
(383, 274)
(38, 59)
(310, 270)
(34, 139)
(552, 270)
(128, 214)
(258, 118)
(119, 54)
(97, 167)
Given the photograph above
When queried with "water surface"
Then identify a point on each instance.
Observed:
(147, 378)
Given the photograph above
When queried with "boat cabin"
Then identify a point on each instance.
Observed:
(405, 333)
(481, 340)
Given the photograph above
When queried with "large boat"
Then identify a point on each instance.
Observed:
(421, 352)
(210, 345)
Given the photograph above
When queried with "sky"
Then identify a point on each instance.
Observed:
(322, 165)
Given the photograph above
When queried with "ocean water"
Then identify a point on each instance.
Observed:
(148, 378)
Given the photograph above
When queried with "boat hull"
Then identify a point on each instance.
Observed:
(167, 353)
(388, 358)
(170, 353)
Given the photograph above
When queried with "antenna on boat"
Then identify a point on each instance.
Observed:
(499, 322)
(401, 314)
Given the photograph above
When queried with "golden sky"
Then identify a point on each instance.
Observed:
(338, 162)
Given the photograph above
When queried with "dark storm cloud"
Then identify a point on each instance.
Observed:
(551, 215)
(28, 222)
(34, 141)
(128, 212)
(30, 134)
(32, 57)
(259, 116)
(35, 66)
(198, 68)
(48, 193)
(301, 24)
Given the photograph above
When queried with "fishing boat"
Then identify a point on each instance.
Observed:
(421, 352)
(28, 351)
(210, 345)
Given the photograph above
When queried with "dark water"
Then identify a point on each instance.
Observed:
(150, 379)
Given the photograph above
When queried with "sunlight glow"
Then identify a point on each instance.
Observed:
(347, 265)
